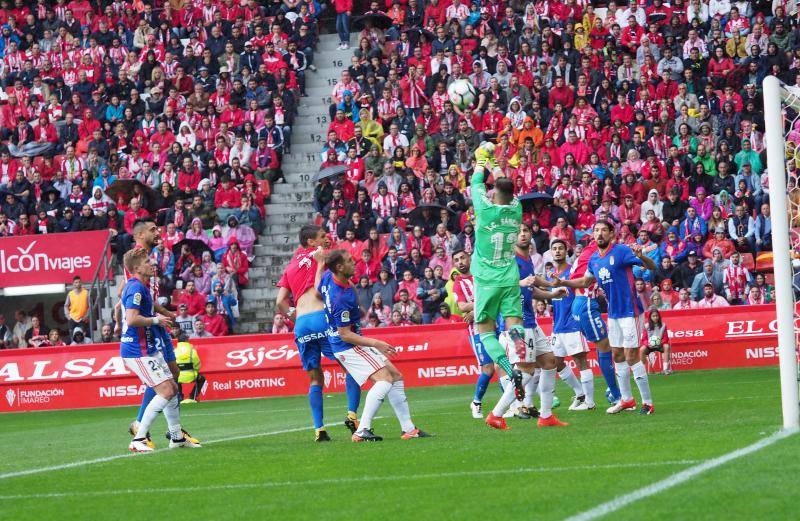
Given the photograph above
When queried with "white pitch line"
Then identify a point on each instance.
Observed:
(683, 476)
(115, 457)
(341, 480)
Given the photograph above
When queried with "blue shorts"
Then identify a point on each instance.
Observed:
(480, 351)
(159, 340)
(587, 313)
(311, 337)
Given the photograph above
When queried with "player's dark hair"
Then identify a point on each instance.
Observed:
(334, 258)
(607, 224)
(308, 232)
(505, 187)
(559, 241)
(525, 225)
(457, 251)
(139, 224)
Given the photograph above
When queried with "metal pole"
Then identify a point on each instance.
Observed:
(784, 292)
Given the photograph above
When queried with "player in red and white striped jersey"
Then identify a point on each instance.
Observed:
(464, 289)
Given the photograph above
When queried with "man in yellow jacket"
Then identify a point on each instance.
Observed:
(189, 364)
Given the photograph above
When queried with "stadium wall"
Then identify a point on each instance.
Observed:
(258, 366)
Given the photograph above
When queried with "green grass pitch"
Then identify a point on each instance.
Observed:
(259, 460)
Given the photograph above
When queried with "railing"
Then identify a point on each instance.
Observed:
(100, 287)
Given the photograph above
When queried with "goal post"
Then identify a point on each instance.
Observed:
(781, 110)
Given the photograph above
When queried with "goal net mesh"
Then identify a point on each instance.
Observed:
(790, 110)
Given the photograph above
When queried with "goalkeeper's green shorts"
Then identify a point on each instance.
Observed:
(491, 302)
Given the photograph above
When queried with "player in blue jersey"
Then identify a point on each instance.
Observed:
(537, 350)
(611, 266)
(142, 351)
(567, 339)
(363, 358)
(145, 235)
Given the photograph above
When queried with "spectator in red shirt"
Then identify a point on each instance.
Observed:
(194, 300)
(623, 111)
(227, 199)
(445, 317)
(367, 267)
(213, 321)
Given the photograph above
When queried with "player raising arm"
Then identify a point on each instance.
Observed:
(494, 269)
(141, 349)
(611, 266)
(311, 326)
(363, 358)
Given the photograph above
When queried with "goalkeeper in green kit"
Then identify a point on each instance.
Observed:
(494, 269)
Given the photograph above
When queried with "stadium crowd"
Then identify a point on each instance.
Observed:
(113, 111)
(648, 114)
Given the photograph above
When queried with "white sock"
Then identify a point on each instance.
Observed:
(504, 382)
(530, 389)
(642, 382)
(569, 378)
(155, 406)
(173, 415)
(397, 397)
(587, 382)
(547, 384)
(537, 374)
(373, 402)
(623, 371)
(508, 397)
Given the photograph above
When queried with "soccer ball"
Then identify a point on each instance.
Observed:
(655, 341)
(462, 93)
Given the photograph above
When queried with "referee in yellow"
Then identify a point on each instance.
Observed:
(189, 364)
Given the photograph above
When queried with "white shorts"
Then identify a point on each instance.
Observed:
(569, 344)
(624, 332)
(536, 344)
(151, 370)
(361, 362)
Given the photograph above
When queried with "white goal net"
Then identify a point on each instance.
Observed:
(782, 111)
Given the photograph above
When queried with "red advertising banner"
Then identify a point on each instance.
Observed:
(50, 258)
(268, 365)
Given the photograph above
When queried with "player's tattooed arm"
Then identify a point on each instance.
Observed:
(647, 261)
(319, 256)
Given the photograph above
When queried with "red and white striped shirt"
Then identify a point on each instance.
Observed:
(464, 291)
(735, 280)
(384, 205)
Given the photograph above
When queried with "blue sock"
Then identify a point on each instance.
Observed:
(148, 395)
(353, 393)
(607, 368)
(315, 401)
(481, 386)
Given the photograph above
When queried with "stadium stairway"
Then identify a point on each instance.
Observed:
(290, 205)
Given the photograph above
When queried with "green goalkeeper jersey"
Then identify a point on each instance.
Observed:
(496, 230)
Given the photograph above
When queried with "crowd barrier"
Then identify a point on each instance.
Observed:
(257, 366)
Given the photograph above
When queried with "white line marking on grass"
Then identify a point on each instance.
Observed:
(341, 480)
(683, 476)
(115, 457)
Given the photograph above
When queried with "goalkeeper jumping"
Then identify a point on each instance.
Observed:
(494, 268)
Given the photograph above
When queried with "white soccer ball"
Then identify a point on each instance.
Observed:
(655, 341)
(462, 93)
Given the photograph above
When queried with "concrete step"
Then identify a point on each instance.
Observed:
(279, 231)
(253, 328)
(292, 187)
(275, 248)
(303, 211)
(265, 261)
(298, 197)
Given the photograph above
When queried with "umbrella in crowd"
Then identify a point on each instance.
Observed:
(379, 20)
(415, 32)
(329, 171)
(197, 247)
(434, 208)
(128, 188)
(536, 196)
